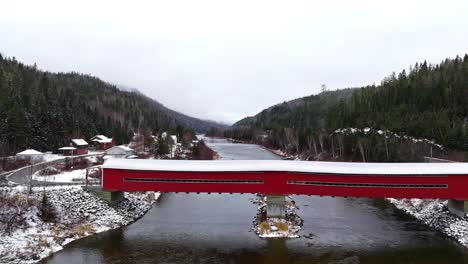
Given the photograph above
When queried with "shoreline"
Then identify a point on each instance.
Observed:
(79, 214)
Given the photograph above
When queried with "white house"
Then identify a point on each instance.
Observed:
(121, 151)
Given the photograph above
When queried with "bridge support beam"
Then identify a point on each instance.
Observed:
(458, 207)
(276, 206)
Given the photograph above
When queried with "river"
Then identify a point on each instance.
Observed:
(215, 228)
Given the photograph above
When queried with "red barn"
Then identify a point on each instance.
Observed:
(68, 151)
(81, 146)
(101, 142)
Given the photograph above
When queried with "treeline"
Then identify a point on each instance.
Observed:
(44, 110)
(428, 101)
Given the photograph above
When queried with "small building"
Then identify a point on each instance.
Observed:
(121, 151)
(81, 146)
(68, 151)
(101, 142)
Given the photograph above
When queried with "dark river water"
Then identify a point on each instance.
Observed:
(191, 228)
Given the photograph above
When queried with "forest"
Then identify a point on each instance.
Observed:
(424, 102)
(44, 110)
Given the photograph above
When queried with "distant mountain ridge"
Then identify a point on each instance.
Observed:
(198, 124)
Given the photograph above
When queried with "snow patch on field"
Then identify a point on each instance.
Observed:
(67, 176)
(51, 157)
(79, 214)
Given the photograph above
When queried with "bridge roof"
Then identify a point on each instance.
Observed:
(289, 166)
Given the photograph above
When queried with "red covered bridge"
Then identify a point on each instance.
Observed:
(281, 177)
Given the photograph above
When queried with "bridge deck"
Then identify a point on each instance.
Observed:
(398, 180)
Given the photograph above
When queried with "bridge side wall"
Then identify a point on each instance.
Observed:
(285, 183)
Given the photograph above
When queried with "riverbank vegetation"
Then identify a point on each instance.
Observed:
(202, 152)
(407, 115)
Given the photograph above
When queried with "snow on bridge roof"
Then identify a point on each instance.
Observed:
(289, 166)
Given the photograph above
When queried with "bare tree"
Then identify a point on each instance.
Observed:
(340, 140)
(293, 138)
(386, 145)
(321, 138)
(312, 143)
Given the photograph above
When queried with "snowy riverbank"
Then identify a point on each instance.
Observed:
(78, 214)
(434, 213)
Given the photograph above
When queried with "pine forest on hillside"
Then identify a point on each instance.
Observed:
(44, 110)
(428, 102)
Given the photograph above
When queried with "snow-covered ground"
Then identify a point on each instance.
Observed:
(79, 214)
(67, 176)
(434, 213)
(387, 134)
(51, 157)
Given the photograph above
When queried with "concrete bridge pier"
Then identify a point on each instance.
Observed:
(116, 197)
(110, 197)
(458, 207)
(276, 206)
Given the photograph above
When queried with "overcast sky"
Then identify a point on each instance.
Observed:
(224, 60)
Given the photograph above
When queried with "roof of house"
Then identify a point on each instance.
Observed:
(67, 148)
(122, 148)
(30, 152)
(79, 142)
(101, 139)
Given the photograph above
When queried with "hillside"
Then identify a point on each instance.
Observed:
(43, 110)
(295, 112)
(429, 101)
